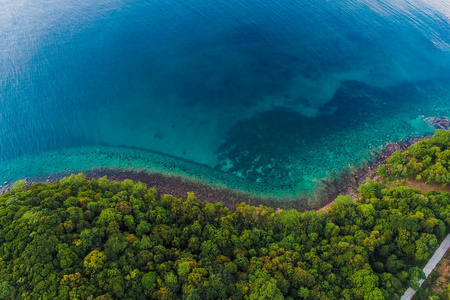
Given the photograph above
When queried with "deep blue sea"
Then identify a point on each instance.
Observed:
(266, 96)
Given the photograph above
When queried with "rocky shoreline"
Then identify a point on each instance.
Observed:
(345, 183)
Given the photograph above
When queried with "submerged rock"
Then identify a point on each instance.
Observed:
(437, 123)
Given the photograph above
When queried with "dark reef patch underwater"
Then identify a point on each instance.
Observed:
(262, 97)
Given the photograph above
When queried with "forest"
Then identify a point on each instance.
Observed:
(102, 239)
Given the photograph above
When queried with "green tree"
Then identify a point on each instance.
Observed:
(149, 280)
(184, 268)
(415, 275)
(108, 215)
(5, 289)
(265, 289)
(94, 261)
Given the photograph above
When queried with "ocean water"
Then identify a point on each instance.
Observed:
(263, 96)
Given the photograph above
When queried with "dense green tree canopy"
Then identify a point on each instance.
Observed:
(427, 160)
(100, 239)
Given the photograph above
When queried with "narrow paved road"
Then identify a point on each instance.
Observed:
(435, 259)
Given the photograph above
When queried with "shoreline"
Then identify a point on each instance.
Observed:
(348, 182)
(343, 183)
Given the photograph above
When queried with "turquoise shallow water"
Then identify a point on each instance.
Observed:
(263, 96)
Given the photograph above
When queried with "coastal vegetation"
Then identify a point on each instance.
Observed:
(102, 239)
(427, 160)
